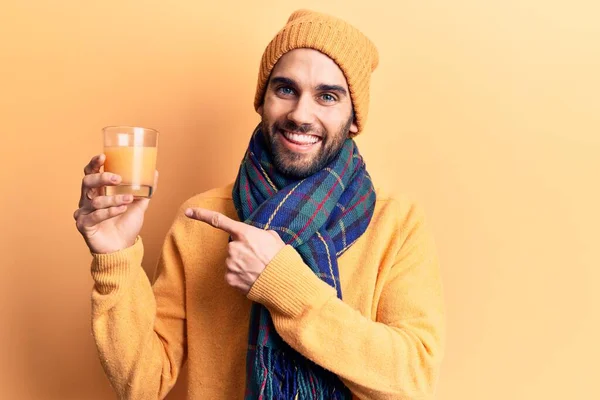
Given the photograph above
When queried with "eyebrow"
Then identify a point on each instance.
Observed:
(322, 87)
(332, 88)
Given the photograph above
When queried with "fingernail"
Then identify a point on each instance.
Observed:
(189, 212)
(114, 178)
(127, 197)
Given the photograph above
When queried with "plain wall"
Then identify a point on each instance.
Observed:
(488, 113)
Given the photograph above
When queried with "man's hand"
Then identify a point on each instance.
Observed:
(107, 223)
(250, 249)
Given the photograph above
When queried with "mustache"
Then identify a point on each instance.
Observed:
(293, 127)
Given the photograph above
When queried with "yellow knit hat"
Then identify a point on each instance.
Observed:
(352, 51)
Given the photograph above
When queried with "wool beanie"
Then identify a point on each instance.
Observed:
(350, 49)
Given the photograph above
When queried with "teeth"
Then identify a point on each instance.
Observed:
(304, 139)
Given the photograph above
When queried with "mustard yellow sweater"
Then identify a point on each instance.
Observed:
(385, 339)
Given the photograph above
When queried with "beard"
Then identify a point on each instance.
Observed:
(302, 165)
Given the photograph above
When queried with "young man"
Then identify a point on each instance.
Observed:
(328, 289)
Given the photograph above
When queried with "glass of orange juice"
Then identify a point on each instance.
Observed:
(131, 153)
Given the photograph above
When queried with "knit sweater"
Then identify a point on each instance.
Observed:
(385, 339)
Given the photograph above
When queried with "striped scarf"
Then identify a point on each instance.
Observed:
(321, 216)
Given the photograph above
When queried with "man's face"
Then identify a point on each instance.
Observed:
(306, 113)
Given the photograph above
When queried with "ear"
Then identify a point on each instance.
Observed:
(260, 109)
(354, 127)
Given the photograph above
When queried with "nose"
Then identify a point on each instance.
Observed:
(303, 112)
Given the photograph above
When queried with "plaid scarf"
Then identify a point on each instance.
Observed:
(321, 216)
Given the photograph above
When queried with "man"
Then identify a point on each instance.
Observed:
(331, 288)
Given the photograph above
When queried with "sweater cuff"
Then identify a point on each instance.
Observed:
(111, 271)
(289, 286)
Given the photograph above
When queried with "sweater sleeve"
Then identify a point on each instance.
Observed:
(139, 329)
(395, 356)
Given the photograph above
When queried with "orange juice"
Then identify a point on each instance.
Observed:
(135, 165)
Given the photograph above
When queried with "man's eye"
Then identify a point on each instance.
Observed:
(328, 98)
(285, 90)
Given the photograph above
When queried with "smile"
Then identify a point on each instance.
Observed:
(300, 139)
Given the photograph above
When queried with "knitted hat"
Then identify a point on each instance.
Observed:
(352, 51)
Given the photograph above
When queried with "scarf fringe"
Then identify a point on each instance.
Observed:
(279, 374)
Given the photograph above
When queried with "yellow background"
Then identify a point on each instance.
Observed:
(487, 112)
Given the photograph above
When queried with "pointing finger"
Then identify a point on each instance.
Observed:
(217, 220)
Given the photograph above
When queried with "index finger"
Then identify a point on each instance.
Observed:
(94, 165)
(216, 219)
